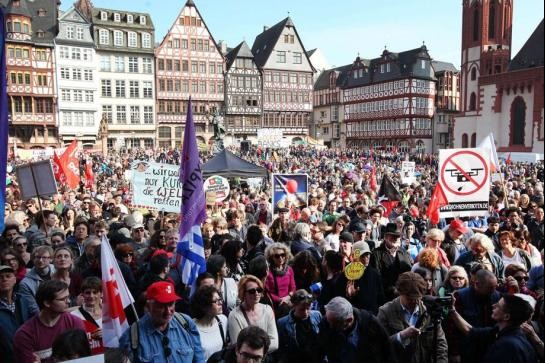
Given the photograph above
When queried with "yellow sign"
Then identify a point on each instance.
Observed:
(354, 270)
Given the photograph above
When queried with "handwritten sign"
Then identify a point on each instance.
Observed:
(355, 269)
(156, 186)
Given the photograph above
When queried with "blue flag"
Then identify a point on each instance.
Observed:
(190, 250)
(4, 127)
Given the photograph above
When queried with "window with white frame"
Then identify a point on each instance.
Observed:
(106, 87)
(70, 32)
(65, 73)
(297, 58)
(117, 17)
(121, 114)
(103, 37)
(281, 56)
(135, 114)
(89, 96)
(76, 74)
(132, 39)
(67, 118)
(107, 113)
(79, 33)
(64, 53)
(134, 89)
(130, 18)
(103, 16)
(142, 20)
(76, 53)
(147, 90)
(118, 38)
(77, 95)
(105, 64)
(78, 118)
(120, 88)
(133, 64)
(89, 119)
(119, 63)
(65, 94)
(87, 55)
(146, 40)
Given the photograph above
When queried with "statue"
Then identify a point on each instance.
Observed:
(219, 132)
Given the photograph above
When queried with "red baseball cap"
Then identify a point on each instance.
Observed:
(459, 226)
(161, 251)
(162, 291)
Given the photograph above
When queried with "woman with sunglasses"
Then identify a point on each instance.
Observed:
(251, 312)
(9, 257)
(280, 282)
(455, 279)
(206, 310)
(516, 280)
(125, 253)
(20, 246)
(332, 238)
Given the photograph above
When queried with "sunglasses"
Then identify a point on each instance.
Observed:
(166, 349)
(279, 255)
(457, 278)
(21, 244)
(520, 278)
(254, 291)
(130, 254)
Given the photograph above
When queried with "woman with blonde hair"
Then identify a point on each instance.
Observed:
(280, 282)
(434, 238)
(428, 259)
(455, 279)
(251, 312)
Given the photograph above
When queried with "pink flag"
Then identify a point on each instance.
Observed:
(116, 297)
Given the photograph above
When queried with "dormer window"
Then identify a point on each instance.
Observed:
(129, 18)
(382, 68)
(142, 20)
(41, 12)
(16, 3)
(103, 16)
(40, 34)
(423, 64)
(387, 67)
(117, 17)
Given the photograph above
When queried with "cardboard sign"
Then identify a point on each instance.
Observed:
(355, 269)
(289, 189)
(36, 179)
(156, 186)
(464, 176)
(216, 188)
(270, 138)
(408, 172)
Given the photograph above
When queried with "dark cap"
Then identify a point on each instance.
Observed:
(4, 268)
(347, 237)
(391, 229)
(283, 210)
(357, 227)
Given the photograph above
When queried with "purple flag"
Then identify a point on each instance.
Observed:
(4, 127)
(190, 250)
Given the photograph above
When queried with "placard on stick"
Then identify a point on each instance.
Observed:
(36, 179)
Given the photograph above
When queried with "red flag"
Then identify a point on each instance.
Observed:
(116, 297)
(373, 182)
(89, 177)
(388, 196)
(57, 169)
(508, 161)
(438, 200)
(70, 165)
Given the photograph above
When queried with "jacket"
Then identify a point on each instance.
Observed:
(420, 348)
(390, 268)
(466, 258)
(9, 323)
(373, 343)
(301, 245)
(29, 285)
(287, 335)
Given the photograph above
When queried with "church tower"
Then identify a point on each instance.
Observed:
(486, 46)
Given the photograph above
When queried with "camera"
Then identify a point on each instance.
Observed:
(438, 306)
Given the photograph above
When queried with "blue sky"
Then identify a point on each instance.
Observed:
(342, 28)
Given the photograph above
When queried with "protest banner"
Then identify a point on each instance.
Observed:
(270, 138)
(464, 176)
(289, 188)
(156, 186)
(407, 172)
(216, 188)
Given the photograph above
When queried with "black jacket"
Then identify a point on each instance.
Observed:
(390, 267)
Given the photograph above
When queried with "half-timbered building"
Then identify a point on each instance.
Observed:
(287, 79)
(243, 93)
(77, 80)
(447, 103)
(188, 64)
(31, 27)
(389, 102)
(499, 94)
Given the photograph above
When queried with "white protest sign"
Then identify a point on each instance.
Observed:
(156, 186)
(407, 172)
(464, 175)
(216, 187)
(271, 138)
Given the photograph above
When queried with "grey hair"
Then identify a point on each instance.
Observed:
(278, 246)
(302, 230)
(436, 234)
(92, 238)
(340, 308)
(483, 240)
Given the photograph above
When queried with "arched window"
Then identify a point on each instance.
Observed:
(473, 73)
(404, 146)
(476, 24)
(491, 20)
(420, 146)
(464, 140)
(473, 140)
(472, 101)
(518, 121)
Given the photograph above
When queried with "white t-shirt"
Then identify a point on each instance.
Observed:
(516, 259)
(211, 341)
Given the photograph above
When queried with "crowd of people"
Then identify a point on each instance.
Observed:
(465, 290)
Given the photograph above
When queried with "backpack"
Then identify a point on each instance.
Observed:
(135, 337)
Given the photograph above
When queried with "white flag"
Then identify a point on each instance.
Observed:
(488, 143)
(116, 297)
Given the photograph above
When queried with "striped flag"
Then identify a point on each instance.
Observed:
(116, 297)
(4, 127)
(190, 250)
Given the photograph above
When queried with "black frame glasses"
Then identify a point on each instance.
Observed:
(255, 290)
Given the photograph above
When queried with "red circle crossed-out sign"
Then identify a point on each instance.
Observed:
(466, 176)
